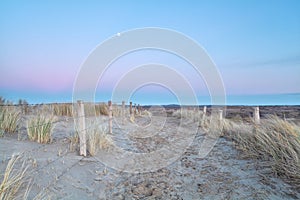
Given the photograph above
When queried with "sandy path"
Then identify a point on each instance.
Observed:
(220, 175)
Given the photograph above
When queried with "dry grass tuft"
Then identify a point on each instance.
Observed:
(74, 141)
(9, 119)
(13, 180)
(98, 139)
(91, 109)
(103, 109)
(273, 140)
(132, 118)
(116, 110)
(212, 125)
(40, 128)
(63, 109)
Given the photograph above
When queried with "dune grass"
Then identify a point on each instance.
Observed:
(91, 109)
(274, 140)
(63, 109)
(97, 138)
(13, 180)
(9, 120)
(74, 141)
(39, 129)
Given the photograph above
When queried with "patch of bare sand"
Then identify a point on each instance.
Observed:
(222, 174)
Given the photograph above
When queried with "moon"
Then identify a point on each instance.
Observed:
(118, 34)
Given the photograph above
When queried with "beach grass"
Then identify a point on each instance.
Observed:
(40, 128)
(63, 109)
(9, 119)
(97, 139)
(274, 140)
(13, 180)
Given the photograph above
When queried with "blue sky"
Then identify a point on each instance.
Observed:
(254, 44)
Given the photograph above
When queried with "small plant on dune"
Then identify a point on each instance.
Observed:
(97, 139)
(9, 120)
(13, 180)
(74, 141)
(132, 118)
(146, 113)
(39, 129)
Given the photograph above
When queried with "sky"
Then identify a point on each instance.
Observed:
(255, 46)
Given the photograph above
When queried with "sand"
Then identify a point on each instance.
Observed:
(223, 174)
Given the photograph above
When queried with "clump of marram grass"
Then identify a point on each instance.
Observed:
(103, 109)
(9, 120)
(40, 128)
(12, 180)
(132, 118)
(97, 138)
(146, 113)
(63, 109)
(96, 109)
(212, 125)
(274, 140)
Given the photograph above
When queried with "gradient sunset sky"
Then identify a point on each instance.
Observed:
(44, 43)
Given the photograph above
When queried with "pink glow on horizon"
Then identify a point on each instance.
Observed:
(48, 80)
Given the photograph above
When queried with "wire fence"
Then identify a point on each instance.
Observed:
(67, 110)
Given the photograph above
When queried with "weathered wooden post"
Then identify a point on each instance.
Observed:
(81, 128)
(256, 115)
(204, 110)
(203, 116)
(110, 116)
(139, 109)
(220, 115)
(221, 118)
(130, 108)
(123, 112)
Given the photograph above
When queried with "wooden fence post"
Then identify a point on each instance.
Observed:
(81, 128)
(256, 115)
(139, 109)
(203, 116)
(110, 116)
(130, 108)
(204, 110)
(220, 115)
(123, 112)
